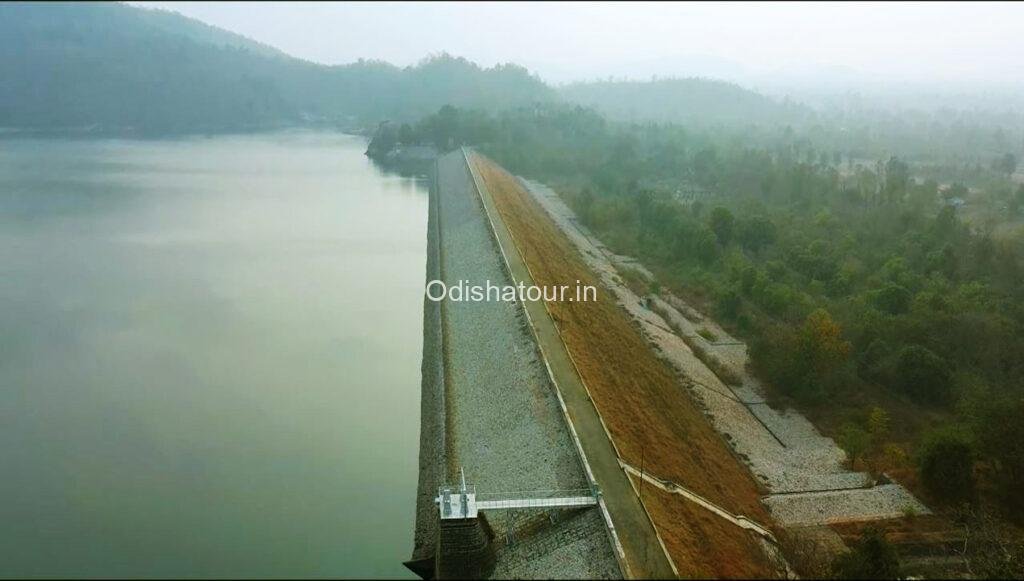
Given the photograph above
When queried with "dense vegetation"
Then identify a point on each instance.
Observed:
(876, 298)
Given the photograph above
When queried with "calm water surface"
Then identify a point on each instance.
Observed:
(209, 357)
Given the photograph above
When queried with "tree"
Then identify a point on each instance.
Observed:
(1006, 164)
(892, 299)
(897, 175)
(722, 224)
(444, 127)
(757, 232)
(855, 441)
(873, 557)
(878, 426)
(923, 375)
(806, 362)
(946, 465)
(873, 359)
(990, 549)
(704, 245)
(406, 135)
(822, 343)
(728, 306)
(1001, 437)
(384, 139)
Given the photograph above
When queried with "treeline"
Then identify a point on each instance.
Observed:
(860, 286)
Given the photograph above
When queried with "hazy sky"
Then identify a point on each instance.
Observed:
(907, 41)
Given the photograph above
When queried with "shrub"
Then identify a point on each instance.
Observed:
(722, 224)
(946, 465)
(873, 557)
(895, 457)
(1000, 431)
(878, 426)
(728, 305)
(855, 440)
(707, 334)
(923, 375)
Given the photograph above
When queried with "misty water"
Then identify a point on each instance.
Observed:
(209, 357)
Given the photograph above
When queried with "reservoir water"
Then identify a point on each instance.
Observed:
(209, 357)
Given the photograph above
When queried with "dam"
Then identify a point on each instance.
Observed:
(562, 414)
(490, 415)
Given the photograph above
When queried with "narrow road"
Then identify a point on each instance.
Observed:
(644, 555)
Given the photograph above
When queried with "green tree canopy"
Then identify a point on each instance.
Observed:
(756, 233)
(923, 375)
(946, 465)
(722, 223)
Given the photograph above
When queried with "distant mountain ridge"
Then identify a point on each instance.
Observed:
(682, 100)
(114, 68)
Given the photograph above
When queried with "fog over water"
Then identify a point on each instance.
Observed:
(209, 357)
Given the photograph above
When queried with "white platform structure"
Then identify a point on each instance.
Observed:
(463, 502)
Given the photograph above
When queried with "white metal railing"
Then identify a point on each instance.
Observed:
(539, 494)
(516, 503)
(462, 501)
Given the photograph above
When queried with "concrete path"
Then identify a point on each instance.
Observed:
(673, 488)
(644, 554)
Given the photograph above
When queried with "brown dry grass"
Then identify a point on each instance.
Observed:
(640, 400)
(702, 544)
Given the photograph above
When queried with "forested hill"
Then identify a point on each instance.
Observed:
(689, 100)
(113, 67)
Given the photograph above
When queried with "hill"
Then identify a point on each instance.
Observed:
(113, 68)
(117, 68)
(689, 100)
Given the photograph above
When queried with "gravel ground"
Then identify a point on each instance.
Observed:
(566, 546)
(784, 450)
(878, 502)
(504, 424)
